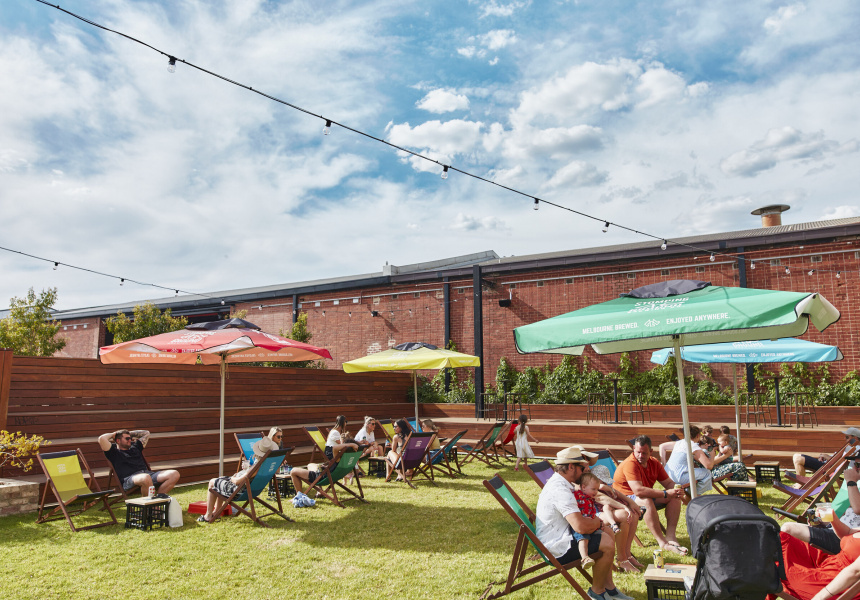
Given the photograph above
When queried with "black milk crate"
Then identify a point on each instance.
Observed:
(748, 493)
(285, 487)
(767, 473)
(666, 590)
(146, 516)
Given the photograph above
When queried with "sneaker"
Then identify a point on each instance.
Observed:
(594, 596)
(616, 594)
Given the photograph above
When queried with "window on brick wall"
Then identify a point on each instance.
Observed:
(513, 286)
(336, 302)
(631, 276)
(775, 262)
(569, 280)
(664, 272)
(598, 278)
(461, 290)
(376, 299)
(700, 269)
(416, 294)
(540, 283)
(815, 258)
(394, 296)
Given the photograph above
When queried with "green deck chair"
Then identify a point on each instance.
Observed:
(481, 450)
(318, 439)
(327, 482)
(527, 536)
(258, 480)
(66, 480)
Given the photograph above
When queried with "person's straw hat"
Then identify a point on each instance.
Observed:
(574, 454)
(264, 445)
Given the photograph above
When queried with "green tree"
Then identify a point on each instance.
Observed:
(300, 333)
(29, 330)
(147, 320)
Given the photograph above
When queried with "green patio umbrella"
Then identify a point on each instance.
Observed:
(411, 356)
(678, 313)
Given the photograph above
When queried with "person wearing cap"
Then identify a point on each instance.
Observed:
(557, 516)
(635, 478)
(221, 488)
(802, 462)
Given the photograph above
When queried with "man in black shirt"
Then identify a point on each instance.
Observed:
(131, 467)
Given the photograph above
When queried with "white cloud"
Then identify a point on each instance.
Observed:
(658, 85)
(464, 222)
(447, 138)
(467, 51)
(443, 100)
(841, 212)
(775, 23)
(498, 39)
(556, 142)
(781, 144)
(495, 9)
(577, 174)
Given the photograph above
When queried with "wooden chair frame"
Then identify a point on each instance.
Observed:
(315, 441)
(482, 448)
(87, 500)
(259, 476)
(436, 458)
(413, 461)
(537, 469)
(526, 537)
(500, 445)
(328, 481)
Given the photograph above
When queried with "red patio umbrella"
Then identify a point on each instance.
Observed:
(215, 342)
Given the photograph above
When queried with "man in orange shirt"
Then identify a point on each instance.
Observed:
(636, 476)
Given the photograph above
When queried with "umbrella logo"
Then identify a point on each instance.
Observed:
(753, 354)
(652, 323)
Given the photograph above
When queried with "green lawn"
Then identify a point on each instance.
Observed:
(447, 541)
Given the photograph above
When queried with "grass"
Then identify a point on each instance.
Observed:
(447, 541)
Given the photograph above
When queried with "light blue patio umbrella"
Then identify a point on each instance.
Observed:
(762, 351)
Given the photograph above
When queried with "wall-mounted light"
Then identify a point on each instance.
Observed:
(506, 302)
(374, 313)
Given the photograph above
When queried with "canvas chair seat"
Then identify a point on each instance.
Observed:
(481, 450)
(317, 439)
(411, 457)
(258, 478)
(439, 459)
(502, 443)
(328, 481)
(527, 542)
(65, 479)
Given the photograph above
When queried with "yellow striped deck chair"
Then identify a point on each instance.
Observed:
(66, 480)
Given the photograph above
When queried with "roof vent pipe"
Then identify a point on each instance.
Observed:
(771, 216)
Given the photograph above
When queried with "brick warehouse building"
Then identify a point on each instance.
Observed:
(436, 301)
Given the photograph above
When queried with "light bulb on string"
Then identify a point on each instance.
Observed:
(177, 292)
(811, 272)
(444, 171)
(838, 274)
(56, 265)
(327, 128)
(537, 204)
(752, 265)
(605, 226)
(171, 64)
(712, 257)
(121, 281)
(787, 271)
(663, 245)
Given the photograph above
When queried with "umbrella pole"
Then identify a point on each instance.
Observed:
(221, 429)
(679, 367)
(415, 388)
(737, 414)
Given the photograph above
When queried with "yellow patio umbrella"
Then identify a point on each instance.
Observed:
(411, 356)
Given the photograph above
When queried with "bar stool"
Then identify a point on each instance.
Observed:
(804, 408)
(637, 405)
(596, 407)
(756, 408)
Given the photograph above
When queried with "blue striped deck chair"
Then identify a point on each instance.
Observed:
(411, 457)
(439, 459)
(328, 481)
(415, 425)
(251, 492)
(518, 576)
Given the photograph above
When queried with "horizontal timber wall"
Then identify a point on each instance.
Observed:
(72, 401)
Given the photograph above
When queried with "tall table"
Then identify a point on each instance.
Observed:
(776, 379)
(615, 400)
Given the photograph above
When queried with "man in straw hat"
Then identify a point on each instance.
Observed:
(557, 516)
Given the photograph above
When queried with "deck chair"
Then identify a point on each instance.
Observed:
(502, 442)
(439, 459)
(387, 429)
(415, 425)
(818, 485)
(246, 442)
(540, 472)
(483, 447)
(251, 493)
(828, 466)
(412, 457)
(519, 577)
(318, 439)
(66, 481)
(123, 494)
(328, 481)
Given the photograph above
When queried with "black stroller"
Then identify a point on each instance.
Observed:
(738, 549)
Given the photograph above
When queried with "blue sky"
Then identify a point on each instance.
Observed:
(675, 118)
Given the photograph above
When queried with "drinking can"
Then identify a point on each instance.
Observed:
(658, 559)
(151, 491)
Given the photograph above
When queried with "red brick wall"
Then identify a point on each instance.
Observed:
(82, 338)
(349, 331)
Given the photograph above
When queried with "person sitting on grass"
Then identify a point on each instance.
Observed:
(401, 432)
(221, 488)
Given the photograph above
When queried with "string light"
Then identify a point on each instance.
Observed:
(172, 68)
(838, 274)
(752, 265)
(663, 245)
(712, 257)
(787, 271)
(537, 204)
(56, 264)
(327, 128)
(177, 293)
(811, 272)
(121, 281)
